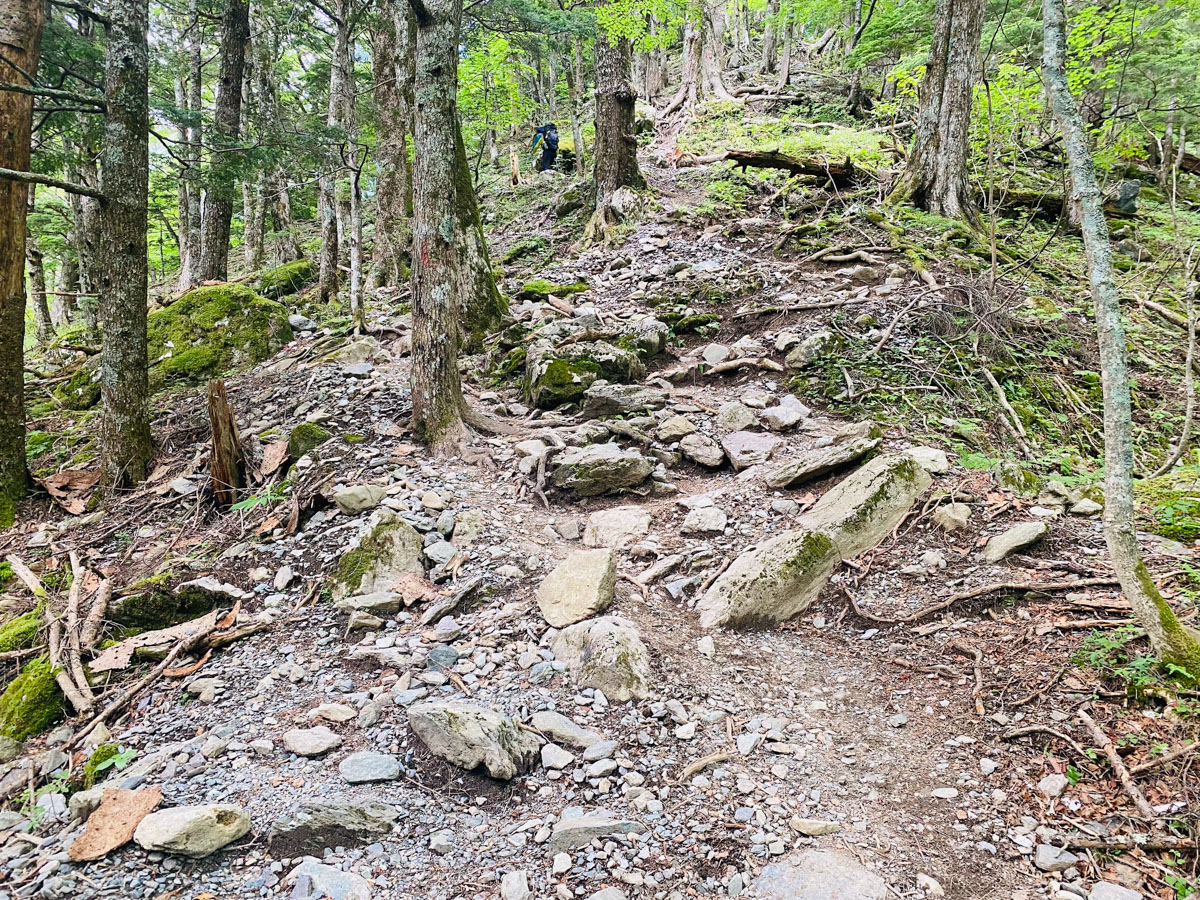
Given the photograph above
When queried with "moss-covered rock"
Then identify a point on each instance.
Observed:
(32, 702)
(290, 278)
(390, 549)
(1172, 503)
(305, 438)
(82, 390)
(20, 632)
(151, 604)
(212, 330)
(527, 246)
(557, 376)
(540, 289)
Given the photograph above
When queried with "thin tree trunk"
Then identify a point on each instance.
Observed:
(785, 61)
(227, 117)
(437, 399)
(185, 235)
(87, 229)
(37, 293)
(125, 443)
(936, 176)
(195, 137)
(1171, 640)
(327, 202)
(62, 310)
(22, 38)
(392, 64)
(358, 312)
(770, 38)
(712, 51)
(289, 247)
(576, 79)
(688, 94)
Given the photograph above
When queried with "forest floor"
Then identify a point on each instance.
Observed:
(909, 750)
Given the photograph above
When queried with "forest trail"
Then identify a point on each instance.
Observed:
(828, 753)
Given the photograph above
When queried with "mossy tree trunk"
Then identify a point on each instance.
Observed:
(125, 445)
(223, 164)
(770, 57)
(436, 281)
(37, 283)
(480, 302)
(327, 201)
(576, 80)
(392, 61)
(1172, 641)
(936, 176)
(21, 41)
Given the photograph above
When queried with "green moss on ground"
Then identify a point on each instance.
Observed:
(32, 702)
(564, 381)
(20, 632)
(354, 564)
(540, 289)
(1172, 502)
(526, 246)
(82, 390)
(212, 330)
(101, 755)
(290, 278)
(305, 438)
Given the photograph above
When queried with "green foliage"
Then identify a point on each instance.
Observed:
(268, 496)
(103, 758)
(305, 438)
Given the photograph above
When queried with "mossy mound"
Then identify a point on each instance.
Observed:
(390, 550)
(32, 702)
(290, 278)
(212, 330)
(92, 767)
(1173, 503)
(20, 632)
(305, 438)
(540, 289)
(82, 390)
(150, 604)
(526, 246)
(554, 377)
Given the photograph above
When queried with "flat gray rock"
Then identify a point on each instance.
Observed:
(473, 737)
(194, 831)
(315, 741)
(819, 875)
(1016, 538)
(576, 832)
(367, 766)
(312, 879)
(749, 448)
(701, 449)
(579, 587)
(562, 730)
(601, 469)
(817, 462)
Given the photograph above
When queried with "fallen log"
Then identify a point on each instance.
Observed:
(840, 173)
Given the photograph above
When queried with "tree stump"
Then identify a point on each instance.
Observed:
(226, 458)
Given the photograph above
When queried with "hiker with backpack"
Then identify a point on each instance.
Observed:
(547, 137)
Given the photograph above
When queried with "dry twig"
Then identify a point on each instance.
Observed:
(1114, 760)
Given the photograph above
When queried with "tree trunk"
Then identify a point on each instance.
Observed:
(576, 80)
(87, 230)
(125, 444)
(281, 214)
(1171, 640)
(21, 37)
(437, 399)
(392, 60)
(688, 94)
(222, 167)
(785, 62)
(186, 247)
(63, 308)
(358, 312)
(936, 176)
(189, 275)
(770, 39)
(327, 201)
(37, 294)
(225, 451)
(480, 303)
(712, 51)
(616, 164)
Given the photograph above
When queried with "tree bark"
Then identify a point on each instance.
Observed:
(1173, 642)
(936, 176)
(327, 201)
(195, 150)
(225, 451)
(770, 55)
(480, 303)
(87, 230)
(437, 399)
(712, 51)
(616, 164)
(391, 60)
(576, 80)
(358, 311)
(21, 41)
(186, 246)
(125, 444)
(222, 167)
(37, 294)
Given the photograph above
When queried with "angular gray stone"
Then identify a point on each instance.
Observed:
(819, 875)
(562, 730)
(471, 736)
(320, 822)
(555, 757)
(1016, 538)
(311, 741)
(616, 527)
(194, 831)
(787, 413)
(390, 549)
(701, 449)
(600, 469)
(603, 400)
(674, 428)
(952, 516)
(808, 350)
(1049, 858)
(515, 886)
(606, 653)
(818, 462)
(705, 520)
(359, 497)
(735, 416)
(1106, 890)
(749, 448)
(367, 766)
(579, 587)
(931, 459)
(576, 832)
(380, 603)
(313, 879)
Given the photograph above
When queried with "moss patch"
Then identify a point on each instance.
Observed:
(305, 438)
(211, 330)
(101, 755)
(540, 289)
(20, 632)
(1173, 503)
(290, 278)
(526, 246)
(32, 702)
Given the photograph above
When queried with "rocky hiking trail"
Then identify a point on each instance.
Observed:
(692, 635)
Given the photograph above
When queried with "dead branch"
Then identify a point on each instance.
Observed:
(840, 173)
(95, 616)
(887, 334)
(1014, 419)
(798, 307)
(1133, 842)
(27, 577)
(1006, 586)
(730, 365)
(1043, 729)
(1114, 760)
(976, 654)
(1165, 758)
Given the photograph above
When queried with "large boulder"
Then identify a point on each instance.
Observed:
(211, 330)
(390, 549)
(554, 376)
(472, 736)
(580, 586)
(600, 469)
(290, 278)
(863, 508)
(817, 462)
(194, 831)
(606, 653)
(604, 400)
(782, 577)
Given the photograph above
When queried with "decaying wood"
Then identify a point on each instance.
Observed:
(1133, 842)
(1006, 587)
(1114, 760)
(840, 173)
(95, 617)
(226, 458)
(977, 655)
(1027, 730)
(699, 765)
